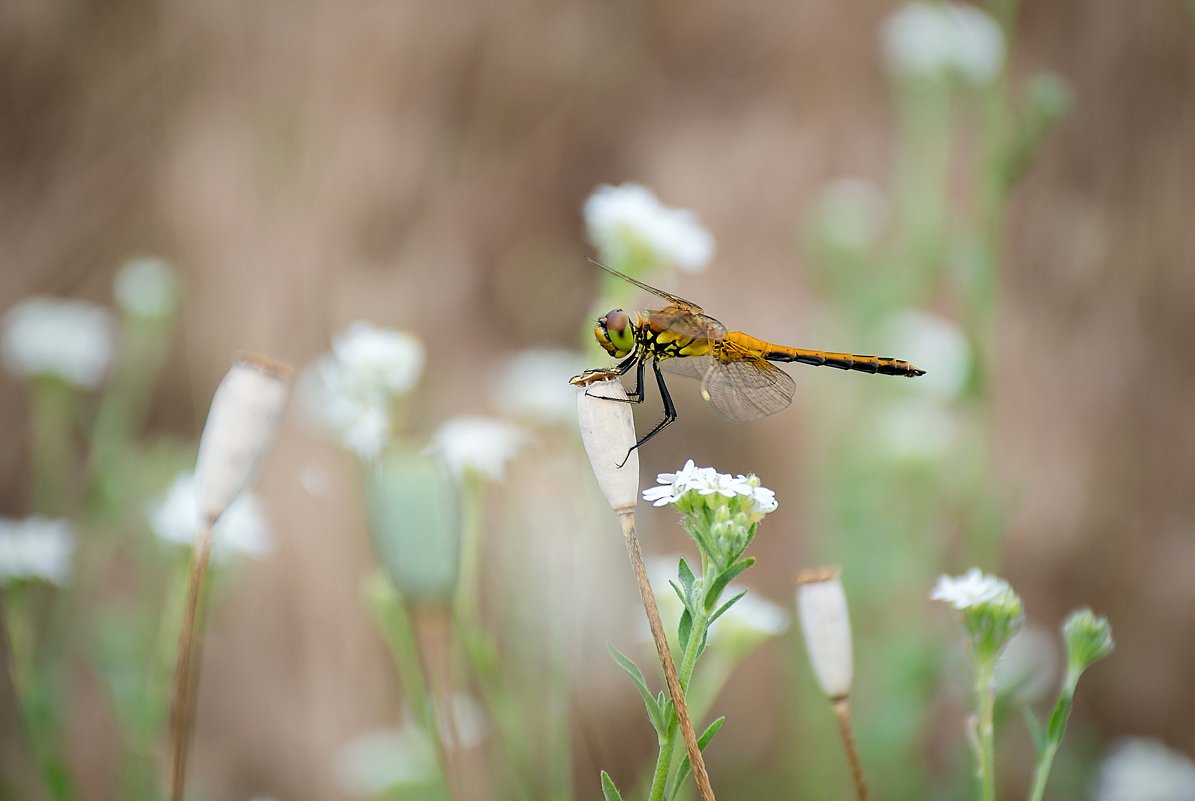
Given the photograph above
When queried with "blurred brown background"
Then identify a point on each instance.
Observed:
(423, 165)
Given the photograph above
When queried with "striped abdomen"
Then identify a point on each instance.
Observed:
(883, 365)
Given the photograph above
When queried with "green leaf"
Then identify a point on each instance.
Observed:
(608, 789)
(702, 742)
(686, 577)
(684, 629)
(649, 700)
(1035, 730)
(724, 578)
(726, 606)
(1062, 712)
(679, 594)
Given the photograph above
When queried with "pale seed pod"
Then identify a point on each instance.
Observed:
(826, 626)
(240, 424)
(608, 431)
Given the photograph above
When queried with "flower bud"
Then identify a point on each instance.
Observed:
(608, 431)
(1088, 639)
(240, 424)
(826, 626)
(413, 510)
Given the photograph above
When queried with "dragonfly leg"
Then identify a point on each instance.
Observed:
(669, 408)
(636, 395)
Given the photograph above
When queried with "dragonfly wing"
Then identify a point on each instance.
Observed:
(691, 366)
(747, 388)
(686, 323)
(659, 293)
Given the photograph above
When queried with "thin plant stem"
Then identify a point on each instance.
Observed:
(842, 713)
(10, 693)
(432, 633)
(186, 672)
(986, 691)
(1045, 759)
(627, 519)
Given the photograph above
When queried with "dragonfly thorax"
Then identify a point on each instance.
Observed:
(615, 333)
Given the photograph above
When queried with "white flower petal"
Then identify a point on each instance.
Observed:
(621, 220)
(70, 339)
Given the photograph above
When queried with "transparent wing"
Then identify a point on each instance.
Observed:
(741, 389)
(659, 293)
(748, 389)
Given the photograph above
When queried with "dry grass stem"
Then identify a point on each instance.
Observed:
(186, 672)
(842, 712)
(627, 518)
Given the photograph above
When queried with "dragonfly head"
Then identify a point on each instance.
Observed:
(615, 333)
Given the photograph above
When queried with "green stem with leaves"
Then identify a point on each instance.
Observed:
(1048, 747)
(985, 687)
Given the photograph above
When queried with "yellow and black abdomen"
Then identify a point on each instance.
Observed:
(882, 365)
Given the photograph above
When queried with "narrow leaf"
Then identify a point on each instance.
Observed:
(632, 670)
(702, 742)
(608, 789)
(724, 578)
(679, 594)
(1062, 712)
(726, 606)
(686, 577)
(684, 629)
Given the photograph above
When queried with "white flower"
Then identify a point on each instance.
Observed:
(378, 762)
(351, 392)
(379, 358)
(71, 339)
(971, 589)
(35, 548)
(241, 530)
(751, 616)
(1140, 769)
(939, 39)
(629, 220)
(708, 481)
(533, 385)
(935, 344)
(146, 288)
(478, 445)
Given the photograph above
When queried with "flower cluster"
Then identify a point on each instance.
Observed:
(629, 226)
(707, 481)
(933, 40)
(1139, 769)
(352, 391)
(992, 611)
(721, 511)
(35, 548)
(147, 288)
(478, 446)
(69, 339)
(241, 531)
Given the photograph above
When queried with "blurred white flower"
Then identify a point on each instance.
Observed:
(629, 221)
(477, 445)
(1028, 668)
(36, 548)
(925, 40)
(970, 589)
(935, 344)
(147, 287)
(382, 760)
(532, 385)
(1140, 769)
(850, 213)
(751, 617)
(241, 531)
(71, 339)
(350, 393)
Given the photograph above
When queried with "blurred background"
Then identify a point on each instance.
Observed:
(1015, 222)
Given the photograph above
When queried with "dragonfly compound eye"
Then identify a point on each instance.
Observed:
(614, 333)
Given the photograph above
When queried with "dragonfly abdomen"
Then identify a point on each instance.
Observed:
(882, 365)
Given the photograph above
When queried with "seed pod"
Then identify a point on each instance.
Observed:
(826, 625)
(608, 431)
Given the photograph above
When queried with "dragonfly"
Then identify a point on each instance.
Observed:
(735, 369)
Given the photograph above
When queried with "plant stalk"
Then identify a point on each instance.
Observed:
(842, 713)
(986, 690)
(186, 672)
(627, 519)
